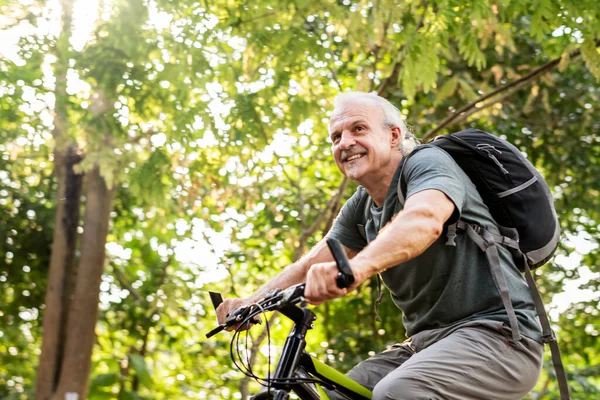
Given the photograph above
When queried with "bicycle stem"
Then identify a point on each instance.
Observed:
(294, 344)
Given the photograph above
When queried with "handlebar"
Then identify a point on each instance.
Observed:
(274, 300)
(278, 299)
(345, 277)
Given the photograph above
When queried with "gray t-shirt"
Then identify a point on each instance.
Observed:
(446, 285)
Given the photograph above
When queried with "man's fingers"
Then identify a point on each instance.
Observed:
(317, 297)
(227, 307)
(240, 327)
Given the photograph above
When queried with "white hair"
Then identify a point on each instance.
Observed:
(391, 116)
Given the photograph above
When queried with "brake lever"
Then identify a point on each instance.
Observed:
(240, 314)
(294, 292)
(216, 299)
(276, 295)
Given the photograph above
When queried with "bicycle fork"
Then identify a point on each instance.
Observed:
(292, 351)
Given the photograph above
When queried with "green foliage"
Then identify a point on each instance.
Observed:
(26, 221)
(210, 119)
(104, 380)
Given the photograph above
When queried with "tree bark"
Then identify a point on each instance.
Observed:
(83, 312)
(61, 273)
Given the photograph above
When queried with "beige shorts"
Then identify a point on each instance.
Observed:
(471, 361)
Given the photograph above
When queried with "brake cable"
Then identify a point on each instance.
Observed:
(247, 369)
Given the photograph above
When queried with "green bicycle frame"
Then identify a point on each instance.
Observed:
(330, 375)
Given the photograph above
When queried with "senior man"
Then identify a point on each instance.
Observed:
(459, 342)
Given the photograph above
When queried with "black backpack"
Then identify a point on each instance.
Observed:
(517, 196)
(520, 202)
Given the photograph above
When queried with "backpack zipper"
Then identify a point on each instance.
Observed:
(487, 149)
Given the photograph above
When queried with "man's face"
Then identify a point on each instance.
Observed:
(362, 148)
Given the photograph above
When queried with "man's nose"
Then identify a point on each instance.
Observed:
(346, 141)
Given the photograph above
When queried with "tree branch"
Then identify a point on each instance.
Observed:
(123, 282)
(329, 213)
(377, 48)
(237, 23)
(335, 78)
(487, 104)
(512, 87)
(335, 205)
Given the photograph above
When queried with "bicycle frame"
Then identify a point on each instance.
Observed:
(338, 381)
(295, 363)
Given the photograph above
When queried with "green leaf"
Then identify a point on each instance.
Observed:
(591, 55)
(141, 369)
(96, 395)
(447, 90)
(468, 92)
(103, 380)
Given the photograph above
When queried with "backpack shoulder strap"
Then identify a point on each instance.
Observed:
(402, 184)
(487, 243)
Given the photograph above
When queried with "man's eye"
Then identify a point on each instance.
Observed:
(335, 138)
(360, 128)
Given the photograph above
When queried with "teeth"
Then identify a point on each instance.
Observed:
(354, 157)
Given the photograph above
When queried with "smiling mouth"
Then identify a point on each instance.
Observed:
(354, 157)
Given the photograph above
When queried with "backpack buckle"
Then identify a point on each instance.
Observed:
(548, 337)
(451, 235)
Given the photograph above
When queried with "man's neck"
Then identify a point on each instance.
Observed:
(378, 187)
(378, 195)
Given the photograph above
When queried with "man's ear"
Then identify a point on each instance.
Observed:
(395, 136)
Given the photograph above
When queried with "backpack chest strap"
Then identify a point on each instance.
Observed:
(476, 233)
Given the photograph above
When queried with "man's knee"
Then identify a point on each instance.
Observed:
(402, 388)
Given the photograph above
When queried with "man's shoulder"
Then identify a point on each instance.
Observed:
(355, 202)
(428, 160)
(426, 153)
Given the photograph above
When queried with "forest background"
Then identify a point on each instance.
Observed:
(153, 150)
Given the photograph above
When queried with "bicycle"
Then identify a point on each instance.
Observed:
(296, 371)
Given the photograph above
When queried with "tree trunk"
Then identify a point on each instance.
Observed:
(61, 274)
(83, 312)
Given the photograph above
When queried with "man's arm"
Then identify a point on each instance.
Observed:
(293, 274)
(408, 235)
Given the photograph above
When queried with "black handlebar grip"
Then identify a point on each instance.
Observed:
(345, 277)
(215, 331)
(216, 299)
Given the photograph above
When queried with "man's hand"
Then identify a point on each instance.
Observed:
(321, 282)
(228, 306)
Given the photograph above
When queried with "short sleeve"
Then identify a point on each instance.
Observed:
(345, 227)
(433, 168)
